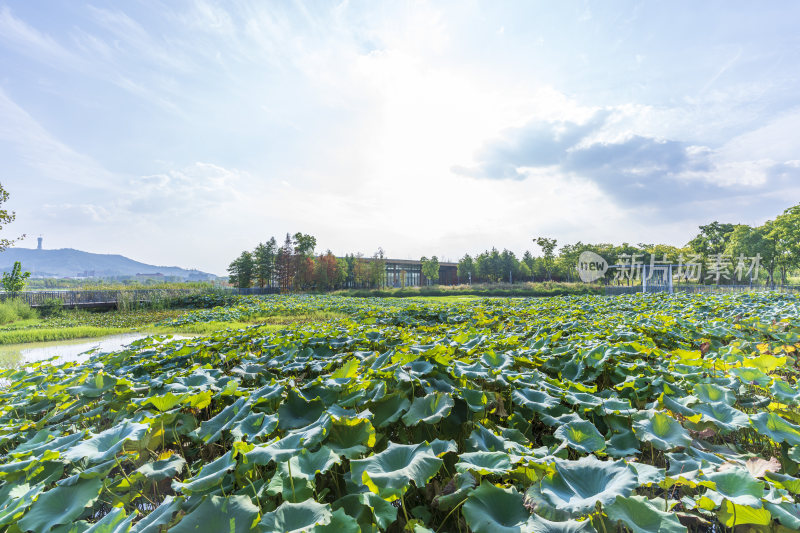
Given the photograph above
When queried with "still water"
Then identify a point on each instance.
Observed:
(12, 355)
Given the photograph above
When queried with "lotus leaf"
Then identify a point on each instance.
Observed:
(428, 409)
(575, 487)
(581, 436)
(307, 516)
(232, 514)
(388, 473)
(491, 509)
(662, 431)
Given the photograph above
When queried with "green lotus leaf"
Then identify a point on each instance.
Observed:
(787, 513)
(232, 514)
(211, 475)
(751, 375)
(623, 444)
(106, 444)
(454, 492)
(535, 400)
(314, 433)
(388, 473)
(496, 361)
(484, 462)
(307, 516)
(254, 426)
(785, 392)
(351, 436)
(428, 409)
(161, 516)
(581, 436)
(476, 399)
(165, 402)
(617, 406)
(389, 409)
(292, 488)
(732, 514)
(277, 450)
(542, 525)
(368, 508)
(15, 498)
(39, 445)
(308, 464)
(340, 523)
(60, 505)
(440, 447)
(163, 468)
(738, 486)
(641, 517)
(490, 509)
(297, 412)
(790, 483)
(662, 431)
(116, 521)
(211, 430)
(575, 487)
(710, 393)
(722, 415)
(776, 428)
(484, 440)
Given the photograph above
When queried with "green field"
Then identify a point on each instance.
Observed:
(644, 413)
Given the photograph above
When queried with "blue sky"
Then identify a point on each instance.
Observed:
(182, 132)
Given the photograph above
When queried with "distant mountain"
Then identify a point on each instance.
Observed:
(67, 262)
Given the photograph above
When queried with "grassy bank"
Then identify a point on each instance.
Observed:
(82, 324)
(485, 289)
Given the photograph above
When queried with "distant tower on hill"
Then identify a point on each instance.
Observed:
(39, 246)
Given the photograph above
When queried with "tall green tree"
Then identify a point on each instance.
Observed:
(430, 269)
(754, 244)
(14, 281)
(548, 247)
(304, 259)
(240, 271)
(377, 268)
(285, 265)
(466, 269)
(264, 262)
(786, 233)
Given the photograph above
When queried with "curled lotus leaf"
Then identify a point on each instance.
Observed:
(575, 487)
(307, 516)
(535, 400)
(640, 516)
(722, 415)
(662, 431)
(582, 436)
(543, 525)
(388, 473)
(776, 428)
(491, 509)
(428, 409)
(60, 505)
(106, 444)
(484, 462)
(232, 514)
(163, 468)
(711, 393)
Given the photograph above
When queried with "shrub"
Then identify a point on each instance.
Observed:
(15, 309)
(51, 307)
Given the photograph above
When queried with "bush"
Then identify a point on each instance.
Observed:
(51, 307)
(15, 309)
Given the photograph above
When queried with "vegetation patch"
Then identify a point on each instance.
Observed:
(580, 413)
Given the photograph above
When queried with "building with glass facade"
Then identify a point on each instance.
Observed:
(408, 273)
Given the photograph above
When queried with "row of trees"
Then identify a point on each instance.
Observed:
(775, 244)
(294, 266)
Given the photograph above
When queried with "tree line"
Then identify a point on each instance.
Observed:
(294, 266)
(775, 244)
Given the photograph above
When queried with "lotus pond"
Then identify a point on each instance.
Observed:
(575, 414)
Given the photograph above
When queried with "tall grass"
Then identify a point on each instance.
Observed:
(15, 309)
